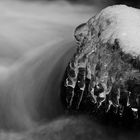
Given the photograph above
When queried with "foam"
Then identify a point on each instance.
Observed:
(120, 22)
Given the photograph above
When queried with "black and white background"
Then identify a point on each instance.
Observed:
(36, 43)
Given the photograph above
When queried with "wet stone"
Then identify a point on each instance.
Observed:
(103, 77)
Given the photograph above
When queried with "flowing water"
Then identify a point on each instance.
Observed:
(36, 43)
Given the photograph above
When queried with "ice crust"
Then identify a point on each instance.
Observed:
(122, 23)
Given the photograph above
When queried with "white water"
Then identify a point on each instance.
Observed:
(36, 42)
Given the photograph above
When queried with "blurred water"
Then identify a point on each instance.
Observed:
(36, 42)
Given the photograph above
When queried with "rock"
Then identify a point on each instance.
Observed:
(103, 76)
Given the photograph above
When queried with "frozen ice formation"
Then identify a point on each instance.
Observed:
(103, 76)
